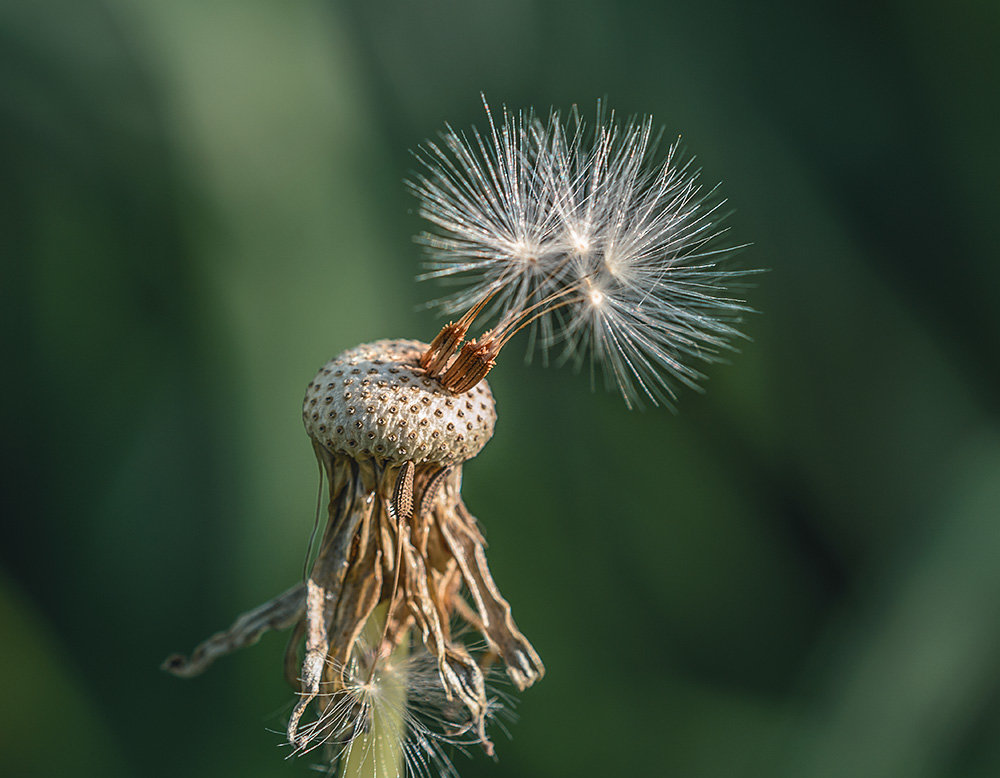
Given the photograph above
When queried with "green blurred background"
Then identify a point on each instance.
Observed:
(796, 576)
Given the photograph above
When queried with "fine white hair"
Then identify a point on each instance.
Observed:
(601, 218)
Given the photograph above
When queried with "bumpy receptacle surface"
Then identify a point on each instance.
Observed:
(376, 401)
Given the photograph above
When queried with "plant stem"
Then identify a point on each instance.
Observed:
(378, 753)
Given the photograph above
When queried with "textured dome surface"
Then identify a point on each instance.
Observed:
(376, 401)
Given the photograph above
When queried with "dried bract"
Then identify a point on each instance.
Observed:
(391, 441)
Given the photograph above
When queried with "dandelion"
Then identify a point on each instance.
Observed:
(600, 249)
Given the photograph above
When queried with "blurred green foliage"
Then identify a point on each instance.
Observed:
(797, 575)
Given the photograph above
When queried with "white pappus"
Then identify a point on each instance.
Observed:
(606, 244)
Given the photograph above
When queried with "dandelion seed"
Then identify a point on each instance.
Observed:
(533, 208)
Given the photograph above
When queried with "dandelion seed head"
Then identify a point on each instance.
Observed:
(536, 207)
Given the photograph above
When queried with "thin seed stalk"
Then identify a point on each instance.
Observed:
(379, 752)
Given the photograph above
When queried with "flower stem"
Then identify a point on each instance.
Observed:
(378, 752)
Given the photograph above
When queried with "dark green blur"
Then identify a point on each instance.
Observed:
(796, 576)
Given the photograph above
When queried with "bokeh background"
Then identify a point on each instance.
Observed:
(798, 575)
